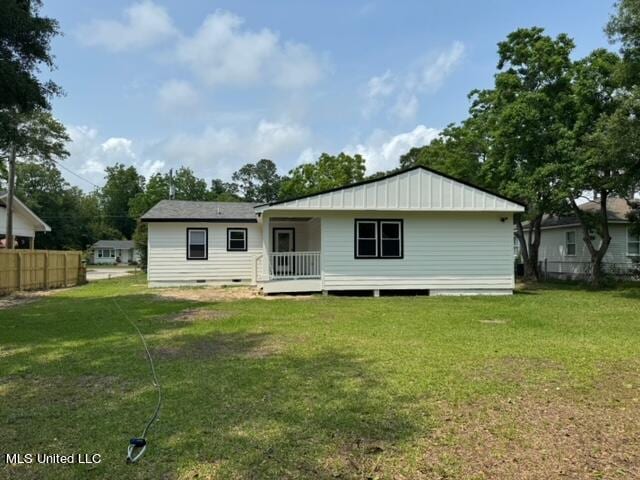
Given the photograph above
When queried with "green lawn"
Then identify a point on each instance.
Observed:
(544, 384)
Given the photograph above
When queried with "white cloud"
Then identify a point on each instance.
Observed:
(144, 24)
(89, 156)
(223, 52)
(178, 96)
(218, 152)
(406, 107)
(426, 76)
(433, 71)
(382, 151)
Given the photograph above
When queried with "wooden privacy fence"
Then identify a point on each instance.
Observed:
(40, 269)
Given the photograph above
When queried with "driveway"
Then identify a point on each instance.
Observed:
(103, 273)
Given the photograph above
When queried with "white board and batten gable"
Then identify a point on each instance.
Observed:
(418, 188)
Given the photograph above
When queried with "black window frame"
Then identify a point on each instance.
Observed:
(378, 222)
(206, 243)
(246, 239)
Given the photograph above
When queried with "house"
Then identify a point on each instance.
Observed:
(114, 252)
(415, 229)
(25, 223)
(563, 253)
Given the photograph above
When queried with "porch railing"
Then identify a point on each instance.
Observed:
(288, 265)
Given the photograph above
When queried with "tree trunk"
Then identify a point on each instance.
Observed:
(596, 254)
(10, 194)
(529, 246)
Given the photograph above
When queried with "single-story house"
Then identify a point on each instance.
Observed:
(114, 252)
(25, 223)
(415, 229)
(564, 254)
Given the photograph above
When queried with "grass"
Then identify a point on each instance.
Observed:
(537, 384)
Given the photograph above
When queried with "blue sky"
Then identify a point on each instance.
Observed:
(216, 84)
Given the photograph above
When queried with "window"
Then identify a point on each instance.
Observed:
(391, 239)
(633, 243)
(516, 246)
(570, 243)
(197, 243)
(366, 239)
(378, 239)
(236, 239)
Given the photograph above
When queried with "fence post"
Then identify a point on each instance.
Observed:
(19, 262)
(65, 270)
(46, 269)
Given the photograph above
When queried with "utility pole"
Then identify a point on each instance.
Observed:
(10, 195)
(172, 189)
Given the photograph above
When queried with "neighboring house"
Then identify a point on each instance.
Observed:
(114, 252)
(415, 229)
(25, 223)
(563, 253)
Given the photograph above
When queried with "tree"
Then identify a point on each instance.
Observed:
(25, 44)
(330, 171)
(459, 151)
(526, 119)
(223, 192)
(258, 182)
(25, 40)
(188, 186)
(604, 156)
(33, 137)
(122, 186)
(624, 27)
(74, 217)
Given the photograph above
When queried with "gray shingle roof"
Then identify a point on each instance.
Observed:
(120, 244)
(617, 210)
(182, 210)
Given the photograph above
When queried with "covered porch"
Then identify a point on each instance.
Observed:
(291, 258)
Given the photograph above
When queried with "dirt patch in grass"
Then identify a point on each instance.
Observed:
(515, 370)
(199, 315)
(222, 294)
(248, 345)
(534, 436)
(16, 299)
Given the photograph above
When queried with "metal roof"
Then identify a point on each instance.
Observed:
(191, 211)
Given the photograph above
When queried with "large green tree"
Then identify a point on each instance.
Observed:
(329, 171)
(222, 191)
(122, 185)
(258, 182)
(526, 118)
(459, 151)
(74, 217)
(604, 154)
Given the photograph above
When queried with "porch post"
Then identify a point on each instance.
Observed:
(265, 245)
(32, 243)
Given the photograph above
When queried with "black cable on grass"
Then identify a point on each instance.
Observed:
(138, 445)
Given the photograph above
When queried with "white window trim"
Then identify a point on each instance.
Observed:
(399, 239)
(375, 230)
(206, 243)
(575, 243)
(629, 254)
(245, 245)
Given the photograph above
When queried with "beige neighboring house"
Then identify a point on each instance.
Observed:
(114, 252)
(564, 254)
(25, 224)
(415, 229)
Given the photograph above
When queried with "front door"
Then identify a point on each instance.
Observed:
(283, 242)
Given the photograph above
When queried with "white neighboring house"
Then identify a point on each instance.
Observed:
(414, 229)
(564, 254)
(25, 223)
(114, 252)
